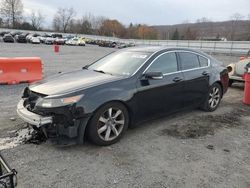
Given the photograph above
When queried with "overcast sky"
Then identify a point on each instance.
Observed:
(151, 12)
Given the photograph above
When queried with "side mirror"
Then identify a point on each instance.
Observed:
(154, 75)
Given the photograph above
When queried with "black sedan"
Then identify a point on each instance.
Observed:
(8, 38)
(21, 38)
(121, 90)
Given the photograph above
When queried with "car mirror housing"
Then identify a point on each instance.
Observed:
(154, 75)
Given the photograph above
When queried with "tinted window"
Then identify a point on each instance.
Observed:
(189, 60)
(203, 61)
(166, 63)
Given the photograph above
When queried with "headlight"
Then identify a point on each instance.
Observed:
(52, 103)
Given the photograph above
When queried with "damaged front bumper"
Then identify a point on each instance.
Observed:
(32, 118)
(58, 128)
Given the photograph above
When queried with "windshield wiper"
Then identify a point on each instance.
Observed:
(100, 71)
(85, 67)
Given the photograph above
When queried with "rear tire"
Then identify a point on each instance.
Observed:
(213, 98)
(108, 124)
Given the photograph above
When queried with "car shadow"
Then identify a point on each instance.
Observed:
(238, 86)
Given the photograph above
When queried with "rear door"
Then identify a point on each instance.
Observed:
(196, 73)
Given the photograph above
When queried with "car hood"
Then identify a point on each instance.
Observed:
(72, 81)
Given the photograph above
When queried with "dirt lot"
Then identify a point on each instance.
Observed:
(189, 149)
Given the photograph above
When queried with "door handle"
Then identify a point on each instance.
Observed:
(177, 79)
(205, 73)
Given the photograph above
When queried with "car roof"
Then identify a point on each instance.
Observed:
(153, 49)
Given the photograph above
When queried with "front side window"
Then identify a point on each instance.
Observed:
(166, 63)
(123, 63)
(188, 60)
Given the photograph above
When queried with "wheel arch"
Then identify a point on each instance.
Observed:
(221, 86)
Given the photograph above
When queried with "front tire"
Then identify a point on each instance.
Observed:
(108, 124)
(213, 98)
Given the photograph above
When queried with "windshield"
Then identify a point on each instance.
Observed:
(120, 63)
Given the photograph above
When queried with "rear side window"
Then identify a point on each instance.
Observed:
(189, 60)
(203, 61)
(166, 63)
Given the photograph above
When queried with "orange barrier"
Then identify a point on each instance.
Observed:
(246, 99)
(20, 70)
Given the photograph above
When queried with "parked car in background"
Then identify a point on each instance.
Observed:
(121, 90)
(236, 70)
(75, 42)
(124, 45)
(81, 41)
(34, 40)
(14, 33)
(30, 36)
(3, 33)
(56, 35)
(109, 44)
(8, 38)
(59, 41)
(25, 34)
(49, 40)
(72, 41)
(20, 38)
(43, 37)
(68, 37)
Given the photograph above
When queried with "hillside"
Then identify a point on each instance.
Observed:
(231, 30)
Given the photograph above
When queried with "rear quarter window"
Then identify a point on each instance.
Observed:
(203, 61)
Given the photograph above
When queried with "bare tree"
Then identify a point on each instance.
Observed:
(204, 23)
(235, 18)
(203, 20)
(85, 25)
(63, 18)
(12, 11)
(37, 20)
(248, 19)
(97, 22)
(1, 22)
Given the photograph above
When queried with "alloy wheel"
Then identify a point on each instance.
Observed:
(214, 97)
(111, 124)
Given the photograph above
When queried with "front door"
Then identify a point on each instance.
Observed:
(160, 95)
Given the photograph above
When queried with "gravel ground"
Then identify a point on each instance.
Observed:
(189, 149)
